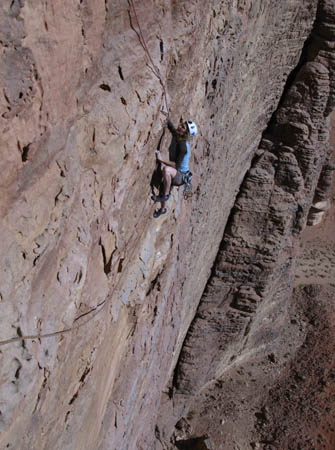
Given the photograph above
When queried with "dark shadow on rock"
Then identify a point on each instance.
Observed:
(200, 443)
(157, 180)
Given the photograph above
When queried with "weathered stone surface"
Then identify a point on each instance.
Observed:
(321, 202)
(80, 119)
(253, 270)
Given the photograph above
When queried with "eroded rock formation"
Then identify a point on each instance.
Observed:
(84, 264)
(252, 279)
(321, 202)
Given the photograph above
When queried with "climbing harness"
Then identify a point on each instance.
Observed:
(152, 66)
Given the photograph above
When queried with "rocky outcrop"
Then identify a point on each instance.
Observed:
(252, 275)
(321, 202)
(96, 297)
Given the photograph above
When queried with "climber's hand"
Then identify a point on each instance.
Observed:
(158, 155)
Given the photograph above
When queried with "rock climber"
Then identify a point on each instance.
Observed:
(175, 170)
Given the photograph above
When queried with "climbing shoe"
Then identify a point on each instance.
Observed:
(161, 198)
(159, 212)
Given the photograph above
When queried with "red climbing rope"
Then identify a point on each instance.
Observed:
(143, 43)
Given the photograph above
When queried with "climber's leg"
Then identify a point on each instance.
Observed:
(168, 174)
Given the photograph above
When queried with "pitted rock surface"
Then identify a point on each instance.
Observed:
(83, 262)
(252, 278)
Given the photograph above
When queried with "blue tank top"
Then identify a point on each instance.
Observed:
(184, 166)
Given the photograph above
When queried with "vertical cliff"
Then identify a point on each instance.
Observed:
(97, 297)
(244, 317)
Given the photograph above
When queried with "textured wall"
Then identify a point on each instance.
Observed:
(80, 119)
(269, 212)
(243, 314)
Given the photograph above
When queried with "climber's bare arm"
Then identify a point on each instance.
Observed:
(166, 163)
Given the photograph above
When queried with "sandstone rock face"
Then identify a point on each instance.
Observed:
(105, 293)
(321, 202)
(241, 313)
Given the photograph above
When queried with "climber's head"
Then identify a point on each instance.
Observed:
(182, 128)
(192, 128)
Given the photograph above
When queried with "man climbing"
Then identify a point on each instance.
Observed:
(176, 170)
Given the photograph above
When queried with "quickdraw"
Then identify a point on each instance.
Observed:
(188, 196)
(187, 179)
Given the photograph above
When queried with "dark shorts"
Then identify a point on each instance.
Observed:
(178, 179)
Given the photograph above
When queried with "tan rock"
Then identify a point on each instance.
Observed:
(80, 120)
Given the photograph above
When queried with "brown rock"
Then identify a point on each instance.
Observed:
(81, 254)
(258, 243)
